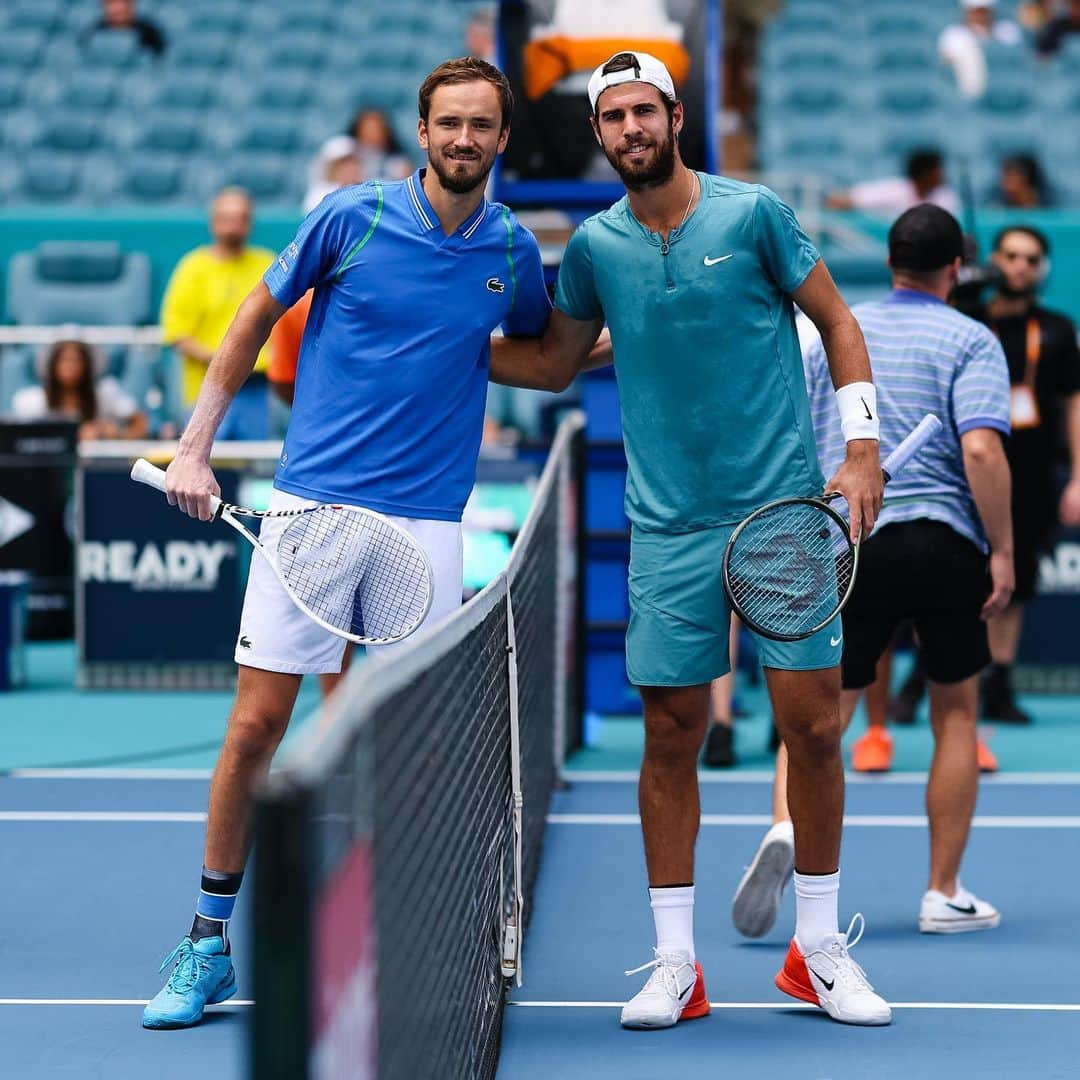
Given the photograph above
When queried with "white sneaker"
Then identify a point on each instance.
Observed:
(675, 991)
(941, 914)
(757, 899)
(830, 978)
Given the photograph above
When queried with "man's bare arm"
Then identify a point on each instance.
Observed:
(1070, 497)
(190, 480)
(859, 478)
(550, 362)
(988, 475)
(192, 349)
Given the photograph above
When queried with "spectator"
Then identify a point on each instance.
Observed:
(1022, 183)
(336, 165)
(102, 407)
(120, 15)
(203, 295)
(924, 181)
(962, 46)
(1044, 370)
(377, 147)
(1033, 15)
(1057, 29)
(480, 36)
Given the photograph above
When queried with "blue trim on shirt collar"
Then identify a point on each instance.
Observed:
(425, 212)
(913, 296)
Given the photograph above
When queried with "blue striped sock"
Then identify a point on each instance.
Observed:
(217, 898)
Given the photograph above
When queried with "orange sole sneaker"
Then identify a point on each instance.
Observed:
(793, 978)
(873, 752)
(987, 762)
(698, 1005)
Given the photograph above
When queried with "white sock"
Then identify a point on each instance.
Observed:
(673, 913)
(816, 901)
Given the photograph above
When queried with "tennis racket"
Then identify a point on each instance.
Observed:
(346, 568)
(789, 567)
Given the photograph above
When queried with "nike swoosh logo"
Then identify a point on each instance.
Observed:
(970, 910)
(869, 415)
(686, 991)
(722, 258)
(824, 982)
(834, 641)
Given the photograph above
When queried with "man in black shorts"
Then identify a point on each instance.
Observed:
(1044, 370)
(945, 522)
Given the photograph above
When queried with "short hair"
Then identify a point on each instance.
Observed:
(920, 162)
(466, 69)
(1029, 168)
(1039, 237)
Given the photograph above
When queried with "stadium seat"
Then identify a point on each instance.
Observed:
(117, 49)
(203, 52)
(303, 53)
(91, 91)
(287, 92)
(91, 283)
(265, 177)
(70, 132)
(153, 178)
(12, 89)
(38, 17)
(173, 132)
(22, 49)
(911, 59)
(49, 178)
(268, 131)
(909, 98)
(176, 89)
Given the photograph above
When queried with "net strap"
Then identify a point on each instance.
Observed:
(518, 797)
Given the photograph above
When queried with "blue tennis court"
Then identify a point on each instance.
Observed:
(81, 944)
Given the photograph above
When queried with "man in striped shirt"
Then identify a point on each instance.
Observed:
(946, 521)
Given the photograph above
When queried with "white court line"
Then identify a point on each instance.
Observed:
(901, 821)
(182, 817)
(765, 776)
(108, 774)
(980, 1006)
(100, 1001)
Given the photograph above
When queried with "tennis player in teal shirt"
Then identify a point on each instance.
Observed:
(697, 278)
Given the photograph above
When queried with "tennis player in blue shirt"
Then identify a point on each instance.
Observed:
(410, 279)
(696, 277)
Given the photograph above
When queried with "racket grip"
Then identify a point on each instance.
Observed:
(927, 429)
(142, 472)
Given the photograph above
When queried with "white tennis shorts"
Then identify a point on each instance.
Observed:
(275, 635)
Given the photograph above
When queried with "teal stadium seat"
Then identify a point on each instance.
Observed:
(287, 92)
(49, 178)
(176, 89)
(116, 50)
(96, 284)
(860, 276)
(92, 91)
(22, 49)
(268, 131)
(300, 53)
(153, 178)
(71, 132)
(12, 90)
(204, 52)
(172, 132)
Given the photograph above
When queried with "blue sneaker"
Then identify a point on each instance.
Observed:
(203, 976)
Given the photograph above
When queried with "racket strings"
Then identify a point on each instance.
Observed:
(355, 572)
(789, 568)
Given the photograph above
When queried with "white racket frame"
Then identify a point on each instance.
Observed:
(143, 472)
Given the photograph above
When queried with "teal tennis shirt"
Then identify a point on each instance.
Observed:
(715, 415)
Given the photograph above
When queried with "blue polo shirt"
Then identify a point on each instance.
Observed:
(393, 368)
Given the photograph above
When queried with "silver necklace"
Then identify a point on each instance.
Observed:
(693, 192)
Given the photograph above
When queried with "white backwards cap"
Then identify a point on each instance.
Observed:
(639, 67)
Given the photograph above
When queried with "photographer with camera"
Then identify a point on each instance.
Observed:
(1044, 370)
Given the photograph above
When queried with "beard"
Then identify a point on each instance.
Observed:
(454, 178)
(653, 171)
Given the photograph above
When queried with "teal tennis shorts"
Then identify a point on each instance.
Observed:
(679, 614)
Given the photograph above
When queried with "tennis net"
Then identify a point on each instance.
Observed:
(398, 840)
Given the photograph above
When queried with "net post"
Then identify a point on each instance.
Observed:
(281, 1027)
(514, 931)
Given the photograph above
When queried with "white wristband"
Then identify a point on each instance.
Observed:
(857, 403)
